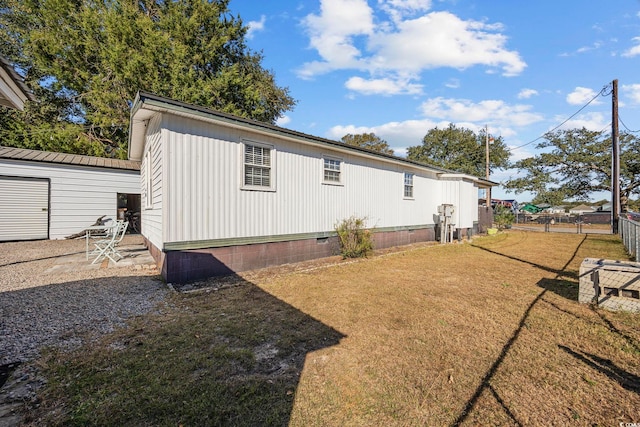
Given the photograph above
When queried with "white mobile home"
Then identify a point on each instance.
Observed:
(222, 194)
(46, 195)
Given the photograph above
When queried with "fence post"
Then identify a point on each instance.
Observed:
(637, 242)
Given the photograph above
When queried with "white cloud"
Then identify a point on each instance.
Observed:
(439, 113)
(348, 35)
(255, 26)
(398, 9)
(527, 93)
(594, 46)
(452, 84)
(582, 95)
(331, 34)
(384, 86)
(590, 121)
(283, 120)
(633, 51)
(488, 111)
(632, 91)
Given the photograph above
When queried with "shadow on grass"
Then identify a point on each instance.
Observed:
(231, 354)
(564, 288)
(626, 379)
(485, 382)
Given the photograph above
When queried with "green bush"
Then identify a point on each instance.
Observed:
(355, 240)
(503, 217)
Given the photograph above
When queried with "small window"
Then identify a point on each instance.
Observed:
(258, 166)
(332, 171)
(408, 185)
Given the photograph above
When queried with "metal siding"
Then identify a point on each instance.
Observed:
(78, 195)
(151, 217)
(205, 200)
(24, 208)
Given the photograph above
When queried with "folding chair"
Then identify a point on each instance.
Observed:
(108, 247)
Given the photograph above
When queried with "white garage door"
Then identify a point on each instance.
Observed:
(24, 208)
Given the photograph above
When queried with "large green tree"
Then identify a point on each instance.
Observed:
(576, 163)
(460, 150)
(368, 140)
(92, 56)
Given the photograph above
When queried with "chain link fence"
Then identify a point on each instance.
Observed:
(630, 233)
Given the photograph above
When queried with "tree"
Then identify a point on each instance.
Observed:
(368, 140)
(460, 150)
(97, 54)
(576, 163)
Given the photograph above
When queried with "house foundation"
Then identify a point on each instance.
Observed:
(181, 266)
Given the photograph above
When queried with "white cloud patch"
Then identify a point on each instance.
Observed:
(632, 91)
(452, 84)
(256, 26)
(487, 111)
(439, 112)
(633, 51)
(527, 93)
(283, 120)
(582, 95)
(590, 121)
(384, 86)
(401, 41)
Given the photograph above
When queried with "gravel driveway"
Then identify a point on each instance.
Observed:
(62, 308)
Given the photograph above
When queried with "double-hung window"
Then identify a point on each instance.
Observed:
(408, 185)
(258, 166)
(332, 170)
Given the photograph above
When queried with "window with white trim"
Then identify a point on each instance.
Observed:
(332, 170)
(408, 185)
(258, 165)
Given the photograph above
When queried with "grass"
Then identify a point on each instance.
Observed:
(482, 333)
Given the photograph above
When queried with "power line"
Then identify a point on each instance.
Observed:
(604, 88)
(625, 126)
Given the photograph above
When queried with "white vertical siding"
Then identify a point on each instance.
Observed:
(151, 215)
(79, 194)
(203, 197)
(463, 195)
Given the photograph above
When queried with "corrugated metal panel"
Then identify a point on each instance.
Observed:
(151, 216)
(204, 199)
(24, 208)
(79, 195)
(65, 158)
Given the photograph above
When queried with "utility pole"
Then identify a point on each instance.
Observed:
(615, 159)
(486, 135)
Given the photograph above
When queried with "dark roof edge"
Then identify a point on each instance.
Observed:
(150, 98)
(17, 78)
(39, 156)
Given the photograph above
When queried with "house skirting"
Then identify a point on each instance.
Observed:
(185, 265)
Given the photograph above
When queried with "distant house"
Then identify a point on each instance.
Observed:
(581, 209)
(222, 194)
(13, 92)
(45, 195)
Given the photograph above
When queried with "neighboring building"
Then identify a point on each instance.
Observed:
(13, 92)
(53, 195)
(581, 209)
(222, 194)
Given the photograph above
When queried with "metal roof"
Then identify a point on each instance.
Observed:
(67, 159)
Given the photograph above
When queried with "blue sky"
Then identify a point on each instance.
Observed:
(401, 67)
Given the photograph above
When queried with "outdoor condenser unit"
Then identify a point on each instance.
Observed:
(445, 213)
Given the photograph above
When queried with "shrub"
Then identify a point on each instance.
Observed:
(355, 240)
(503, 217)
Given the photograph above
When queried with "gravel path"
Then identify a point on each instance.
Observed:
(62, 309)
